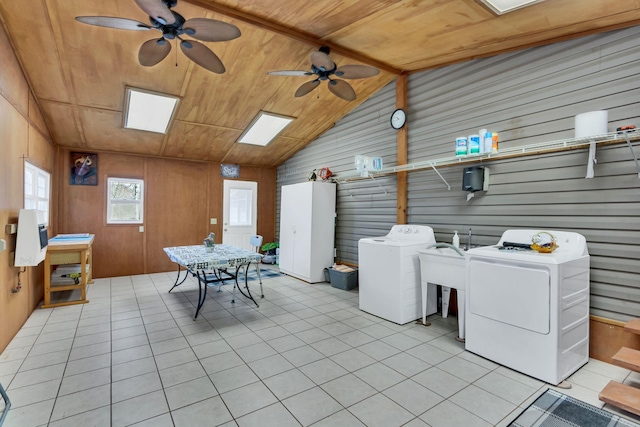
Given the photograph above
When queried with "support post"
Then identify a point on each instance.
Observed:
(401, 102)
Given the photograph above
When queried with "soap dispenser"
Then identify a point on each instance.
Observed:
(456, 240)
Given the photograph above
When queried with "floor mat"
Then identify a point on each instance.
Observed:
(553, 409)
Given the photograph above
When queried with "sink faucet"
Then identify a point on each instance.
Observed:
(469, 240)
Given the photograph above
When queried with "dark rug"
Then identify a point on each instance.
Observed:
(553, 409)
(264, 274)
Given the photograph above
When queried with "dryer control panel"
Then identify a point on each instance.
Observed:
(410, 232)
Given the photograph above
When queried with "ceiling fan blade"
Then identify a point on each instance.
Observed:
(290, 73)
(153, 51)
(202, 55)
(211, 30)
(157, 10)
(321, 60)
(307, 87)
(111, 22)
(356, 71)
(342, 89)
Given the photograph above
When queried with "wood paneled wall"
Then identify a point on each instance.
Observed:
(180, 198)
(23, 136)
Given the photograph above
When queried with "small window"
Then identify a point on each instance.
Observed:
(125, 201)
(240, 207)
(37, 189)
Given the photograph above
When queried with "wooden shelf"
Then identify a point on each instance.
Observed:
(503, 153)
(68, 252)
(633, 326)
(621, 396)
(627, 358)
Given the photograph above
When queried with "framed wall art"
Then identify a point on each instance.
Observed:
(84, 169)
(229, 171)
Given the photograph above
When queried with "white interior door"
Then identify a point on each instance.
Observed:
(240, 212)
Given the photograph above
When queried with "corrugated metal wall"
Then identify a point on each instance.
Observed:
(365, 208)
(529, 96)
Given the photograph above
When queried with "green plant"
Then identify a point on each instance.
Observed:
(270, 248)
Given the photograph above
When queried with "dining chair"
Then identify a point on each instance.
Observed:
(256, 243)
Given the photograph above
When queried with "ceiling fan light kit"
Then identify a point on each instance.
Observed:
(323, 67)
(173, 26)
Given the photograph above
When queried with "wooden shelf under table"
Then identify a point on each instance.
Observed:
(63, 252)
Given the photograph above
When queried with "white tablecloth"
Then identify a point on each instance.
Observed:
(223, 256)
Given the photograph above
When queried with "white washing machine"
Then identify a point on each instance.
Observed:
(529, 311)
(389, 274)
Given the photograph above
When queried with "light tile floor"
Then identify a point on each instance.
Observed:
(307, 356)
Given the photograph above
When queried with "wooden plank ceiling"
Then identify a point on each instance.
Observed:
(79, 72)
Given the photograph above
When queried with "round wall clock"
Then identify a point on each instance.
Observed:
(398, 118)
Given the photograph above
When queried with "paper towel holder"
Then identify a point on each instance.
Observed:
(475, 178)
(591, 124)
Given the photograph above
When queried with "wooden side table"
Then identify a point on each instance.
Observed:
(62, 251)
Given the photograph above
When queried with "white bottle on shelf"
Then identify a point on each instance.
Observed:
(456, 240)
(481, 134)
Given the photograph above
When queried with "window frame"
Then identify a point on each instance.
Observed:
(111, 202)
(37, 199)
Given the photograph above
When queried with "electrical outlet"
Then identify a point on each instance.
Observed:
(141, 229)
(214, 221)
(11, 228)
(3, 245)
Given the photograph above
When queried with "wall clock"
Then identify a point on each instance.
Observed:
(229, 171)
(398, 118)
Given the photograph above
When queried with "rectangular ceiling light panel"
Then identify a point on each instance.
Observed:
(149, 111)
(504, 6)
(264, 128)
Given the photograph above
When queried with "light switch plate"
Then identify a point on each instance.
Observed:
(214, 221)
(3, 245)
(141, 229)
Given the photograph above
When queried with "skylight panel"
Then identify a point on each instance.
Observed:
(148, 111)
(505, 6)
(264, 128)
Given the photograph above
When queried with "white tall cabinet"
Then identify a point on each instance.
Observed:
(307, 223)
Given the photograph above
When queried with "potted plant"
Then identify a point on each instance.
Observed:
(270, 251)
(210, 242)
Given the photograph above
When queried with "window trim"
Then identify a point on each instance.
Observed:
(111, 202)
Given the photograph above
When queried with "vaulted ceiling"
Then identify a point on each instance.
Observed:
(78, 72)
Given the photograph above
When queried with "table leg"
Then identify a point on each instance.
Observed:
(446, 295)
(7, 404)
(246, 282)
(186, 274)
(461, 314)
(83, 274)
(202, 293)
(424, 286)
(47, 280)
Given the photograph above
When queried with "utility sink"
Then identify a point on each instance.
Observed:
(444, 265)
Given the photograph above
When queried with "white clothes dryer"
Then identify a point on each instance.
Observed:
(529, 311)
(389, 274)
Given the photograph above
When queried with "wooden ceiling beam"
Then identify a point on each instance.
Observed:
(291, 33)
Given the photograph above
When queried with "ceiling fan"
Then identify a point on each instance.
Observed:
(173, 26)
(325, 69)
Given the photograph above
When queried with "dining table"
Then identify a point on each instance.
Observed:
(214, 265)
